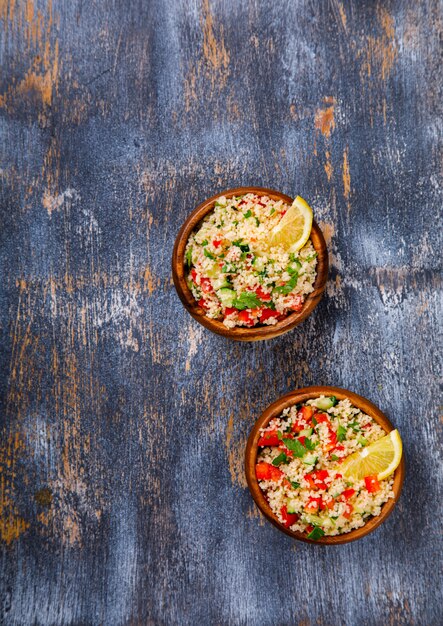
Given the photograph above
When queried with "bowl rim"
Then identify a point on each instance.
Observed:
(274, 410)
(256, 332)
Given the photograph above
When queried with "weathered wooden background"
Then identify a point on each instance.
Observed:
(122, 495)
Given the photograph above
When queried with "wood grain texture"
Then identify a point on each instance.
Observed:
(123, 422)
(274, 411)
(259, 333)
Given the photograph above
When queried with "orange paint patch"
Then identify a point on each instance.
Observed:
(12, 525)
(324, 120)
(328, 165)
(346, 175)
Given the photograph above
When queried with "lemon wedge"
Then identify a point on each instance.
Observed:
(381, 458)
(293, 230)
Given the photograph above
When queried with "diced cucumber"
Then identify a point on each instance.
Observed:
(292, 506)
(220, 282)
(326, 403)
(259, 263)
(214, 271)
(317, 520)
(307, 432)
(227, 296)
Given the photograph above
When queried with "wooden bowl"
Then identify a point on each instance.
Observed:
(275, 410)
(241, 333)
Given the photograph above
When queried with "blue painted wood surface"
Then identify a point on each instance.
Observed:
(123, 422)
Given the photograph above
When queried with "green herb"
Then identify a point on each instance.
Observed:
(209, 255)
(272, 211)
(355, 426)
(341, 433)
(247, 214)
(310, 258)
(205, 242)
(239, 197)
(316, 533)
(235, 223)
(294, 484)
(333, 399)
(309, 445)
(243, 246)
(257, 221)
(246, 300)
(281, 458)
(279, 434)
(294, 270)
(297, 448)
(292, 257)
(188, 257)
(335, 517)
(334, 457)
(362, 441)
(314, 421)
(288, 287)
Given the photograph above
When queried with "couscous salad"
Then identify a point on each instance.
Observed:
(250, 261)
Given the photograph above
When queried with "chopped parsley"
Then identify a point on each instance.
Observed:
(281, 458)
(205, 242)
(257, 221)
(341, 433)
(209, 255)
(188, 257)
(288, 287)
(246, 300)
(296, 447)
(272, 211)
(294, 484)
(316, 533)
(247, 214)
(310, 445)
(355, 426)
(243, 246)
(334, 457)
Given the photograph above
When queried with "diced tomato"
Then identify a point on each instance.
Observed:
(339, 448)
(297, 427)
(322, 418)
(372, 484)
(266, 314)
(288, 518)
(315, 479)
(205, 284)
(202, 302)
(313, 505)
(260, 203)
(309, 529)
(216, 243)
(296, 304)
(338, 476)
(261, 293)
(245, 317)
(366, 425)
(348, 512)
(194, 275)
(332, 440)
(327, 504)
(266, 471)
(269, 439)
(283, 212)
(348, 493)
(230, 310)
(306, 413)
(302, 440)
(287, 483)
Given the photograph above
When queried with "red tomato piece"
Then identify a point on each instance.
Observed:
(348, 493)
(297, 427)
(266, 471)
(302, 440)
(288, 518)
(269, 439)
(309, 529)
(306, 413)
(326, 504)
(315, 479)
(202, 302)
(332, 440)
(296, 304)
(216, 243)
(322, 418)
(205, 284)
(245, 317)
(261, 293)
(372, 484)
(194, 275)
(230, 310)
(348, 512)
(313, 505)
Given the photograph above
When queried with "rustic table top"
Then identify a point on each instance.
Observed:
(123, 422)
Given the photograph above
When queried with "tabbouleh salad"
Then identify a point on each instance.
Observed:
(233, 273)
(298, 468)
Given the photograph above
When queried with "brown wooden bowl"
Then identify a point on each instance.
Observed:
(241, 333)
(275, 410)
